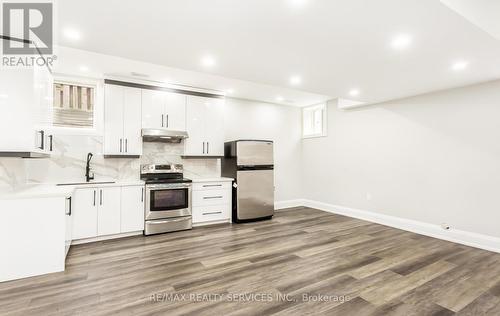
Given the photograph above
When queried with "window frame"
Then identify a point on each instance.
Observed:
(324, 120)
(98, 113)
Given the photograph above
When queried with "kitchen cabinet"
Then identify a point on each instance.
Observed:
(162, 109)
(32, 236)
(122, 121)
(85, 213)
(132, 208)
(211, 202)
(25, 111)
(205, 126)
(69, 224)
(108, 211)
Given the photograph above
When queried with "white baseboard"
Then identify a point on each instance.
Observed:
(101, 238)
(454, 235)
(278, 205)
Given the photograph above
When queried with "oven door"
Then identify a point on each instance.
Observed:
(168, 200)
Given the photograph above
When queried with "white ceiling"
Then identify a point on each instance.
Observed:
(483, 13)
(334, 45)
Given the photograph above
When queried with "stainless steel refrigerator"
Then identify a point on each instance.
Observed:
(250, 163)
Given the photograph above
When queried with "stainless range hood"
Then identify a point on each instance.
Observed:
(163, 135)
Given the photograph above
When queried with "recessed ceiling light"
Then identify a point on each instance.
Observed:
(459, 65)
(280, 99)
(297, 4)
(354, 92)
(295, 80)
(72, 34)
(208, 61)
(401, 41)
(3, 96)
(84, 68)
(229, 91)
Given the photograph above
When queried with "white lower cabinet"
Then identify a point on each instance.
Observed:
(85, 213)
(211, 202)
(132, 211)
(32, 236)
(102, 211)
(108, 211)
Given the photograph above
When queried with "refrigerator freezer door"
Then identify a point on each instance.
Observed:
(255, 194)
(254, 153)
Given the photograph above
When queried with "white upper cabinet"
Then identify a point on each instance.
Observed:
(175, 111)
(25, 109)
(205, 126)
(162, 109)
(153, 108)
(132, 122)
(122, 121)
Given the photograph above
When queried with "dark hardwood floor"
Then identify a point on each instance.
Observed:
(325, 264)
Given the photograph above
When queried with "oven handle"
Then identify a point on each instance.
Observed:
(167, 186)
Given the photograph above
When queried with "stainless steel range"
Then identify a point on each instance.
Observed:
(168, 199)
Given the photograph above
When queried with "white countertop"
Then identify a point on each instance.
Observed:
(219, 179)
(102, 183)
(32, 191)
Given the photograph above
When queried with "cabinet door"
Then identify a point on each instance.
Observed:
(16, 110)
(175, 116)
(132, 210)
(69, 224)
(113, 120)
(214, 131)
(108, 217)
(132, 112)
(153, 108)
(195, 144)
(84, 213)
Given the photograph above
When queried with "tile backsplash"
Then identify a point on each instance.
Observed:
(67, 163)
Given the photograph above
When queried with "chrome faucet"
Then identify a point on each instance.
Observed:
(88, 176)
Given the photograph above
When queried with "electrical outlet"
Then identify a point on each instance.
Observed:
(368, 196)
(445, 226)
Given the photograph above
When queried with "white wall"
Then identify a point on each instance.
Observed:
(433, 158)
(282, 124)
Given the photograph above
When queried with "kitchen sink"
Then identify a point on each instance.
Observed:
(87, 183)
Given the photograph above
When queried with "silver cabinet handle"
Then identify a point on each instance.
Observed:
(162, 120)
(203, 147)
(42, 139)
(100, 197)
(211, 213)
(94, 196)
(212, 197)
(211, 185)
(51, 138)
(142, 194)
(167, 120)
(120, 145)
(69, 206)
(208, 147)
(126, 145)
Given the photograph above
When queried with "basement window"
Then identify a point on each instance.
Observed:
(314, 121)
(73, 105)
